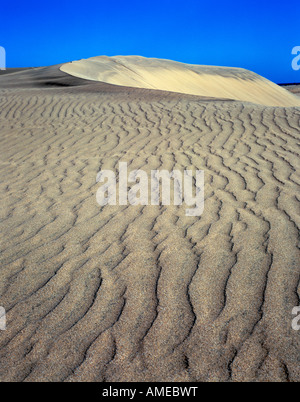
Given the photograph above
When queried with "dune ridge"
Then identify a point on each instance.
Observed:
(167, 75)
(145, 293)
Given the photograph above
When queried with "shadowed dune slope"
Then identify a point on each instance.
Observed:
(41, 77)
(295, 89)
(13, 70)
(167, 75)
(145, 293)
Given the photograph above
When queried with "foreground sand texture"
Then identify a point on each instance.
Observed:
(168, 75)
(145, 293)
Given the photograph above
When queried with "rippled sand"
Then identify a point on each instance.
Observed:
(145, 293)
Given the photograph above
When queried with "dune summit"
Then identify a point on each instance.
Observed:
(167, 75)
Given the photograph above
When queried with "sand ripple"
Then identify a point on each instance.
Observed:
(146, 293)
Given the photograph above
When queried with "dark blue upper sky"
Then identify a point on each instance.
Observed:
(257, 35)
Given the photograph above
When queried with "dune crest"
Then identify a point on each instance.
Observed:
(167, 75)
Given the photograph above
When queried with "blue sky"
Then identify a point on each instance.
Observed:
(257, 35)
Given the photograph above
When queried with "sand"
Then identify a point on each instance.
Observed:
(167, 75)
(145, 293)
(295, 89)
(12, 70)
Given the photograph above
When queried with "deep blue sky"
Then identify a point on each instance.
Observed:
(258, 35)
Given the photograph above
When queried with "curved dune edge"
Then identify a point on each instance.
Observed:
(218, 82)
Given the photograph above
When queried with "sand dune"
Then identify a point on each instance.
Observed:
(167, 75)
(295, 89)
(146, 293)
(12, 70)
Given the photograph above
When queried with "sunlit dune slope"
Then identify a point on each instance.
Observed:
(167, 75)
